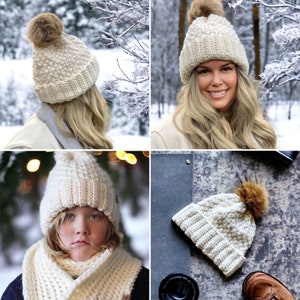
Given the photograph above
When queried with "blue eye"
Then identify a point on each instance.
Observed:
(96, 216)
(69, 216)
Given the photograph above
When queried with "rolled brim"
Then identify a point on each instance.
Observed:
(208, 239)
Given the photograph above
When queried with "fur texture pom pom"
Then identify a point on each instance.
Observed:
(254, 196)
(204, 8)
(44, 29)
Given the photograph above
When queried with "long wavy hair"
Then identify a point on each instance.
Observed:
(87, 117)
(244, 126)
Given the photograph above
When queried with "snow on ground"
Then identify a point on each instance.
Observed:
(120, 142)
(19, 72)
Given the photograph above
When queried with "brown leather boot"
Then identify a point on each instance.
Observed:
(262, 286)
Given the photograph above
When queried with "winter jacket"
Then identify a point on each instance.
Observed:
(167, 136)
(35, 134)
(41, 132)
(140, 289)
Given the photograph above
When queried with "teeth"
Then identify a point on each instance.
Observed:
(217, 93)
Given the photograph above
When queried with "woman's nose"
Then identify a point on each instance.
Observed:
(216, 79)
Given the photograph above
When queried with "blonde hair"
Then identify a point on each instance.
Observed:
(244, 126)
(87, 117)
(112, 240)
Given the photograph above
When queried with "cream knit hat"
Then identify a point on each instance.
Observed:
(77, 180)
(63, 67)
(223, 226)
(210, 37)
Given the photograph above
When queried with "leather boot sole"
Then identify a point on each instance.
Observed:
(246, 281)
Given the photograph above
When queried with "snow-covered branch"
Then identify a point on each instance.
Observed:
(127, 27)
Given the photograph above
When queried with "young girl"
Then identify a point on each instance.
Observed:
(218, 106)
(72, 114)
(80, 256)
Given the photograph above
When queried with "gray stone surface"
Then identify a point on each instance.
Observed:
(276, 247)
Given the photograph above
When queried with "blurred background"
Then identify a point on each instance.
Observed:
(117, 31)
(23, 177)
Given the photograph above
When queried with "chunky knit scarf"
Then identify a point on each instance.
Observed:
(109, 275)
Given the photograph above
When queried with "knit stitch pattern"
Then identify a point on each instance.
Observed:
(63, 70)
(210, 38)
(221, 227)
(111, 276)
(77, 180)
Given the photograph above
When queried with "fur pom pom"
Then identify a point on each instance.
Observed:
(44, 29)
(254, 196)
(204, 8)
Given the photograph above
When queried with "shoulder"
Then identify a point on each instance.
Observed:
(35, 134)
(141, 286)
(167, 136)
(14, 290)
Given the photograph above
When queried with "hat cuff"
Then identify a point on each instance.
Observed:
(208, 239)
(206, 49)
(72, 88)
(70, 194)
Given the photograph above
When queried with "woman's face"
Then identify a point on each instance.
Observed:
(217, 80)
(82, 231)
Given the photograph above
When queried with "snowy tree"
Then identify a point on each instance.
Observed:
(287, 38)
(280, 27)
(126, 26)
(165, 80)
(12, 19)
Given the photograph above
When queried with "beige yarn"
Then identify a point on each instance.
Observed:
(76, 268)
(77, 180)
(221, 227)
(210, 38)
(111, 276)
(63, 70)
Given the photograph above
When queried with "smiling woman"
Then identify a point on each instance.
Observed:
(218, 105)
(217, 81)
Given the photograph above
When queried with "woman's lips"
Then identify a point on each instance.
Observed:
(217, 94)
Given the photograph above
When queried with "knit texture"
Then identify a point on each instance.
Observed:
(221, 227)
(63, 69)
(77, 180)
(210, 38)
(111, 275)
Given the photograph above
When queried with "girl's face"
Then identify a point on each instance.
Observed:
(82, 231)
(217, 80)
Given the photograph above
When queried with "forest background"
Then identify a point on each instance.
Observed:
(270, 32)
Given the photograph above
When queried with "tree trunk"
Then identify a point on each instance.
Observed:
(181, 25)
(256, 34)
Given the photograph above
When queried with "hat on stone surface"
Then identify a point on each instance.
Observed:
(223, 226)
